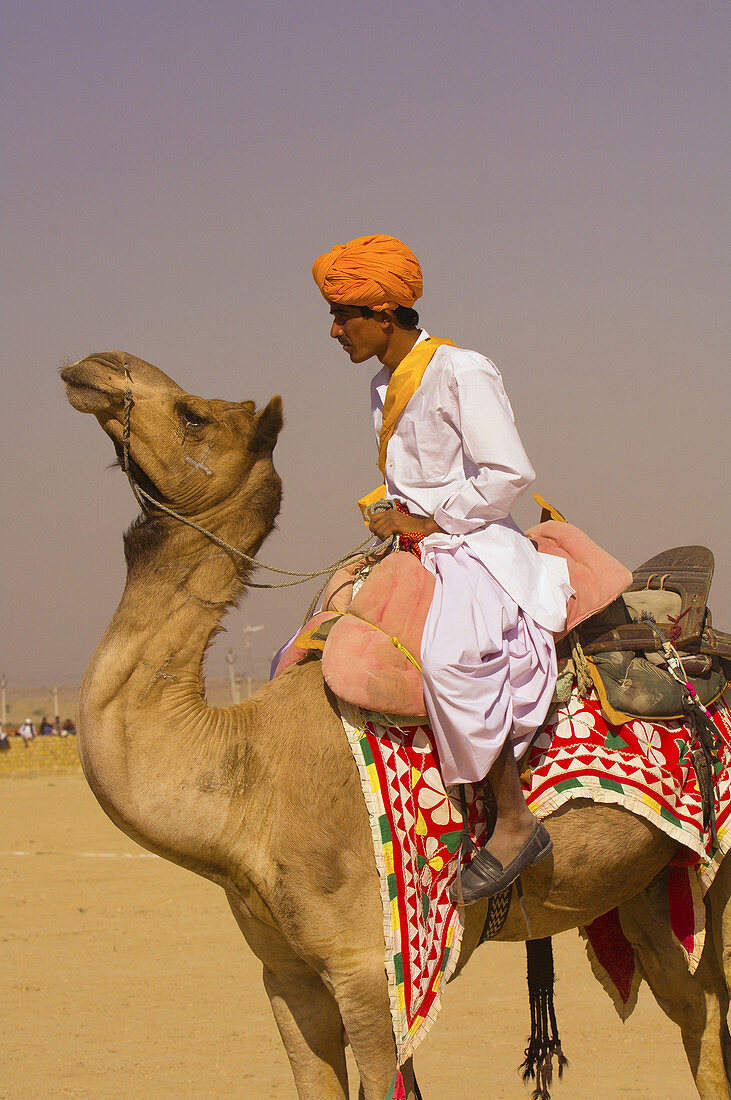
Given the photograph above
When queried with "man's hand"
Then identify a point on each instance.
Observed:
(393, 522)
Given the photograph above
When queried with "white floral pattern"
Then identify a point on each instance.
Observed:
(578, 722)
(433, 801)
(649, 741)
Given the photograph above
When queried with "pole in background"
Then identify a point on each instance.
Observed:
(55, 703)
(248, 631)
(231, 661)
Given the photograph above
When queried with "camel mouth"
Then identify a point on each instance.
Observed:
(90, 399)
(87, 393)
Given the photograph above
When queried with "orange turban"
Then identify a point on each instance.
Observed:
(379, 272)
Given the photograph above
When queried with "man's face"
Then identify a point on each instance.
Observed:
(362, 337)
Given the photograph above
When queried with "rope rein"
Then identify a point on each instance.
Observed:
(141, 496)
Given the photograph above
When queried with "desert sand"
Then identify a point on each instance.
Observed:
(125, 976)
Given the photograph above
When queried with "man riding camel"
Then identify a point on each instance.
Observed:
(450, 453)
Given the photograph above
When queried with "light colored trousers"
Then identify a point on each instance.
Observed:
(489, 669)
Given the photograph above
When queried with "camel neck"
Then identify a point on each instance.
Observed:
(146, 733)
(179, 585)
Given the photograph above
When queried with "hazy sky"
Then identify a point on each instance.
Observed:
(172, 168)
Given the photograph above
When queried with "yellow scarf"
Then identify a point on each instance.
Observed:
(404, 383)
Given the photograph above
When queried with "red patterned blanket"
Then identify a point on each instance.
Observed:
(416, 827)
(645, 767)
(416, 831)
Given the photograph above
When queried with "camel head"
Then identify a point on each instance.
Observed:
(195, 455)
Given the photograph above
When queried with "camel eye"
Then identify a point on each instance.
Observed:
(192, 419)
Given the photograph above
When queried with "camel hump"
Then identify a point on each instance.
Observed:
(372, 654)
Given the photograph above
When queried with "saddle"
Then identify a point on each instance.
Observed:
(370, 642)
(669, 594)
(667, 601)
(371, 655)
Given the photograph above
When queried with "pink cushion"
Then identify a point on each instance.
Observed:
(293, 653)
(361, 664)
(595, 576)
(339, 591)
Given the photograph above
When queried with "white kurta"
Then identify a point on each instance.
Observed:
(488, 656)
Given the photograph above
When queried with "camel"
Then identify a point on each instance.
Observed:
(263, 797)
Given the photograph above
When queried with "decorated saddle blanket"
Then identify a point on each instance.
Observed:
(644, 766)
(416, 826)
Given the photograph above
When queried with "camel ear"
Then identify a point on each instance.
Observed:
(268, 425)
(250, 406)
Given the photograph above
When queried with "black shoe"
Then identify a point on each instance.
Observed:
(486, 875)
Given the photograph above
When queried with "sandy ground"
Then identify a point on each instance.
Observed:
(124, 976)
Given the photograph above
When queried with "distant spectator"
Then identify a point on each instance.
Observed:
(68, 729)
(27, 731)
(57, 726)
(4, 740)
(45, 729)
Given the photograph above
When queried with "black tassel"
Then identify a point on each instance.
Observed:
(544, 1044)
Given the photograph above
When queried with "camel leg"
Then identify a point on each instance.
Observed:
(312, 1031)
(304, 1009)
(409, 1077)
(697, 1003)
(362, 998)
(718, 899)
